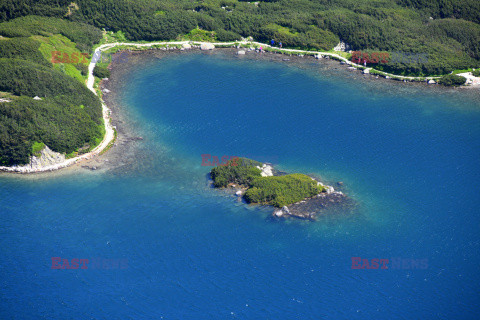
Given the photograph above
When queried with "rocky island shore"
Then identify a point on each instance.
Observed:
(291, 195)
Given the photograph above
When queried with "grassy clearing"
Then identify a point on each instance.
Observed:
(66, 48)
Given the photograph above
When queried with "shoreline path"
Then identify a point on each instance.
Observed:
(109, 130)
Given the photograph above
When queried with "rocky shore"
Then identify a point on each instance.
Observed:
(308, 209)
(313, 207)
(47, 160)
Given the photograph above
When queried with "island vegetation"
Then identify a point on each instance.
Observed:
(277, 191)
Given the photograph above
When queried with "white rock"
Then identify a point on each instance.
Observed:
(47, 158)
(37, 98)
(241, 52)
(366, 71)
(342, 46)
(239, 193)
(431, 82)
(329, 189)
(267, 171)
(278, 213)
(282, 212)
(207, 46)
(186, 46)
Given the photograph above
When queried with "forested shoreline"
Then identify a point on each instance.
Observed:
(68, 116)
(447, 31)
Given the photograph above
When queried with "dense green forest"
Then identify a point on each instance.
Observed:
(241, 171)
(282, 191)
(68, 118)
(447, 31)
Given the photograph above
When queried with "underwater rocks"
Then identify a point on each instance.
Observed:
(313, 207)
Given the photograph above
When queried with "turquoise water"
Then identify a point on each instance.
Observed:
(409, 156)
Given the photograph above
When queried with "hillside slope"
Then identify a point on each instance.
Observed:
(68, 118)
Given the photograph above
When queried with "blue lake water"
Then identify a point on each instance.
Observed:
(407, 154)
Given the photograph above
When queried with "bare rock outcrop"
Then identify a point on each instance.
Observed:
(267, 170)
(46, 158)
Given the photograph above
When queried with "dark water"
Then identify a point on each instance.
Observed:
(407, 154)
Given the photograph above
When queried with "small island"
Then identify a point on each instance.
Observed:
(260, 183)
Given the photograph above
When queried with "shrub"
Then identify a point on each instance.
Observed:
(37, 147)
(22, 78)
(281, 191)
(240, 171)
(223, 35)
(83, 67)
(83, 34)
(24, 49)
(101, 71)
(198, 34)
(452, 80)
